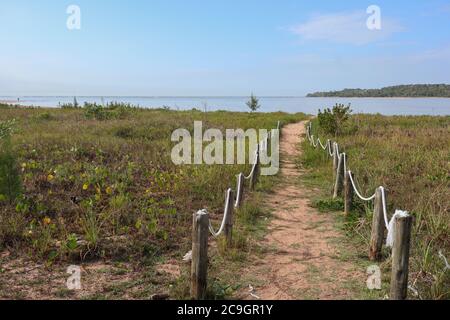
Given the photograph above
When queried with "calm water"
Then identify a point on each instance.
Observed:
(387, 106)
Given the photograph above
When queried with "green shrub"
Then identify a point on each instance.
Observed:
(333, 121)
(95, 111)
(113, 110)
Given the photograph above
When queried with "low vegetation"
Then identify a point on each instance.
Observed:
(97, 184)
(410, 157)
(332, 121)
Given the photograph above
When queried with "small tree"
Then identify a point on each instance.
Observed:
(333, 121)
(253, 103)
(75, 102)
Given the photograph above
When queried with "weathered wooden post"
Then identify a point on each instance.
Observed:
(228, 229)
(400, 257)
(240, 191)
(377, 235)
(348, 193)
(339, 185)
(254, 178)
(199, 266)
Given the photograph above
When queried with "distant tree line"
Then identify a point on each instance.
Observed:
(413, 90)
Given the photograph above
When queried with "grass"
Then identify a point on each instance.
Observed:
(102, 187)
(409, 155)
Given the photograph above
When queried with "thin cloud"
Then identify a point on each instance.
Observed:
(346, 28)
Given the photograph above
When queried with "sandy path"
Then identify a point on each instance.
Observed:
(302, 259)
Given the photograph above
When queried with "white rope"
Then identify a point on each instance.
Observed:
(239, 189)
(254, 166)
(308, 133)
(313, 142)
(336, 148)
(391, 227)
(225, 215)
(321, 145)
(262, 145)
(356, 190)
(330, 152)
(383, 200)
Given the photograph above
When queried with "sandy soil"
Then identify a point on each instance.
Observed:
(303, 258)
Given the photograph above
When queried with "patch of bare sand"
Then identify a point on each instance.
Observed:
(300, 262)
(22, 278)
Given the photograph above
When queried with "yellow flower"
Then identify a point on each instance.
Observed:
(85, 186)
(47, 220)
(50, 178)
(109, 190)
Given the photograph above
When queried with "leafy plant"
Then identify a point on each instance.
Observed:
(332, 121)
(72, 242)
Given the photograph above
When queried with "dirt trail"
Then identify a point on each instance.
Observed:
(303, 259)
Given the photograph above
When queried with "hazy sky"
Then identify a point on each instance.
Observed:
(219, 47)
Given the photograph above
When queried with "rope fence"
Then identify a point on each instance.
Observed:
(398, 228)
(202, 225)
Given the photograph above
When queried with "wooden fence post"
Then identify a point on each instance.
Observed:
(199, 266)
(339, 185)
(378, 226)
(254, 178)
(240, 191)
(400, 258)
(348, 192)
(228, 229)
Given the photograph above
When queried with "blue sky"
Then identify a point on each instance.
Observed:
(219, 48)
